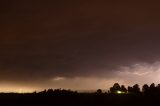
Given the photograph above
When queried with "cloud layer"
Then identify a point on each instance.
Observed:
(94, 41)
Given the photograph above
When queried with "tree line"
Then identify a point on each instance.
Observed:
(135, 89)
(151, 89)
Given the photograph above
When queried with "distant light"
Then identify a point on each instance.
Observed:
(120, 92)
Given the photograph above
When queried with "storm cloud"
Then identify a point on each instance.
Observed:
(43, 40)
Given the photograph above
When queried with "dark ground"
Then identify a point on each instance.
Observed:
(78, 99)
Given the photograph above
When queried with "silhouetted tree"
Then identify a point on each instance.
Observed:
(152, 86)
(130, 89)
(152, 89)
(158, 89)
(145, 89)
(99, 91)
(50, 91)
(136, 88)
(123, 89)
(116, 87)
(158, 86)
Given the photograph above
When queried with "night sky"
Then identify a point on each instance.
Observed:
(78, 44)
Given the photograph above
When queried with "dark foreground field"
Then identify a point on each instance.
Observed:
(78, 99)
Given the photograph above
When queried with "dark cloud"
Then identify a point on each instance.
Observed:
(42, 39)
